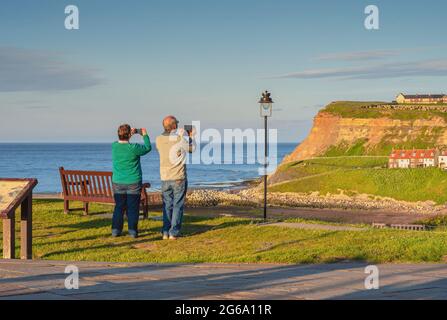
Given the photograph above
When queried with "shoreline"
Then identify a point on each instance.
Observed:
(226, 187)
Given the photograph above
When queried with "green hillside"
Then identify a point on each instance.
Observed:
(363, 175)
(356, 109)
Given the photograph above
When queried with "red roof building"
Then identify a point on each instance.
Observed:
(416, 158)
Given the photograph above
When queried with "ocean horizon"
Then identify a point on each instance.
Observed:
(42, 160)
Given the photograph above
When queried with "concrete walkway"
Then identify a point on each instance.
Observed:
(45, 280)
(312, 226)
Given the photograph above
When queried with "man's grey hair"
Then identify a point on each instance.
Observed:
(170, 123)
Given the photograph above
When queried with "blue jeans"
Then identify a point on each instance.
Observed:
(127, 198)
(174, 195)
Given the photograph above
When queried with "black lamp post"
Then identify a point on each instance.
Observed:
(266, 106)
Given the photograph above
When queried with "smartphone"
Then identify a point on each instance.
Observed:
(188, 128)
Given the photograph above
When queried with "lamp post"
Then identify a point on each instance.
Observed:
(266, 104)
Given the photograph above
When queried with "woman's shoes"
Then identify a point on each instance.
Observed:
(168, 237)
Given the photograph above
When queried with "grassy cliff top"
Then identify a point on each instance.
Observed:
(356, 109)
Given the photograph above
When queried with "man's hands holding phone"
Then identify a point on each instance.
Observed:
(188, 130)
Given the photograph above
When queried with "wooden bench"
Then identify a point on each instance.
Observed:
(92, 186)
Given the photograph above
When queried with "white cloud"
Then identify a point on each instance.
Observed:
(425, 68)
(32, 70)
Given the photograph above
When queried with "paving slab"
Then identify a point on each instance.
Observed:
(41, 279)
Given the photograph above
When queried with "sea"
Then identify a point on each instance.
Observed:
(42, 161)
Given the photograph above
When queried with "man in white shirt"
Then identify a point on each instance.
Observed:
(173, 146)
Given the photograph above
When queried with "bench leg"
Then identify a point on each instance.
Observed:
(85, 208)
(145, 209)
(26, 229)
(66, 206)
(9, 245)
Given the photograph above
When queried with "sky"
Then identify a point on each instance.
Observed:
(136, 61)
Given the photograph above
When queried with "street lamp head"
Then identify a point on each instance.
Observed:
(266, 103)
(266, 97)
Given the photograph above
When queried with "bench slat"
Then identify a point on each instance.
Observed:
(91, 186)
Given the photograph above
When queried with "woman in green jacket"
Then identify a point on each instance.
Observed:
(127, 178)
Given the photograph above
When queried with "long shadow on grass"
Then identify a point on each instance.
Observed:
(191, 225)
(190, 229)
(88, 224)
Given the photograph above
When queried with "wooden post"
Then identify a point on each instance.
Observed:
(66, 207)
(9, 245)
(26, 228)
(85, 208)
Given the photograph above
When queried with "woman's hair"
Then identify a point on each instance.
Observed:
(124, 132)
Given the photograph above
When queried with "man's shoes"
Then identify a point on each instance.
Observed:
(173, 238)
(116, 233)
(133, 234)
(165, 237)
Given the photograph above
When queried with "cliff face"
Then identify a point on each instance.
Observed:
(377, 135)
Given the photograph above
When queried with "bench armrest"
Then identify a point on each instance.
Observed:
(146, 185)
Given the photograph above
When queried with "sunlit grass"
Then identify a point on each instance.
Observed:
(221, 239)
(365, 176)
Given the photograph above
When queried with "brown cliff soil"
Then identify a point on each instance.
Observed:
(373, 136)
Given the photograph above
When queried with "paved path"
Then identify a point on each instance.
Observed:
(45, 280)
(328, 215)
(312, 226)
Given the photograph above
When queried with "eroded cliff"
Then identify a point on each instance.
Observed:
(356, 131)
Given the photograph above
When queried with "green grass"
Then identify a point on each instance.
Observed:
(75, 237)
(426, 140)
(364, 175)
(353, 109)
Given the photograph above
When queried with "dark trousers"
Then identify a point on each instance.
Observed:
(127, 199)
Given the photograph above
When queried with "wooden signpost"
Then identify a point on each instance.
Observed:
(15, 193)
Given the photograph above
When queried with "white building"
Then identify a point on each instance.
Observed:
(442, 160)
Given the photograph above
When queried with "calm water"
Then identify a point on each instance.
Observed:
(42, 161)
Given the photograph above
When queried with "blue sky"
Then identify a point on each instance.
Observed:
(137, 61)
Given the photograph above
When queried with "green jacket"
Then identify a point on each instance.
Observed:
(126, 161)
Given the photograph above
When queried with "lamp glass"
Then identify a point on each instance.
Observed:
(266, 109)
